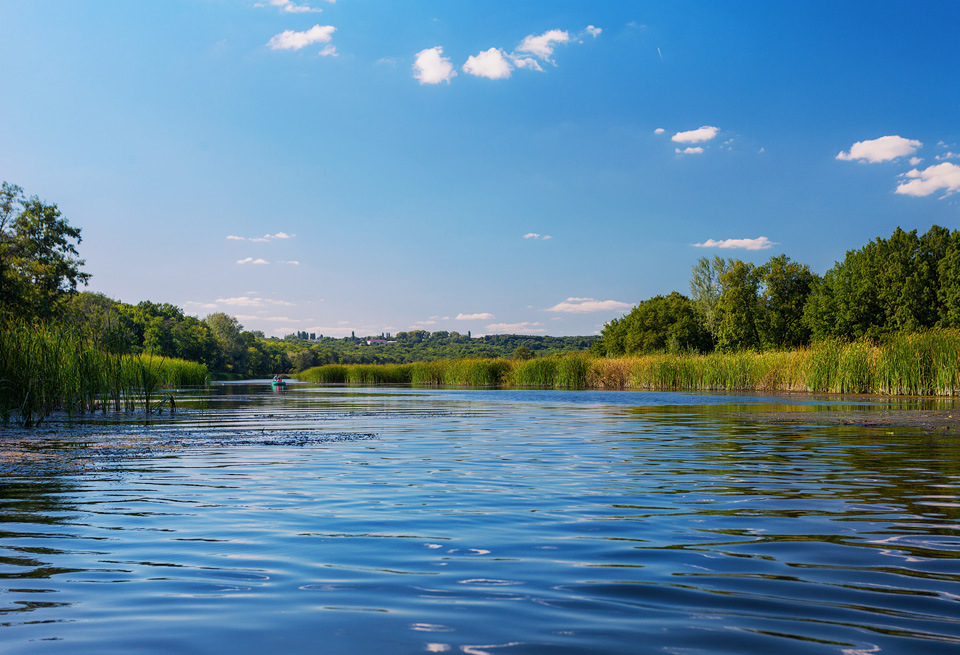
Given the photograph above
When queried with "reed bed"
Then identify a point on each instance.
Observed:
(47, 367)
(926, 363)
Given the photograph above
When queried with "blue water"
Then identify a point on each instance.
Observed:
(348, 520)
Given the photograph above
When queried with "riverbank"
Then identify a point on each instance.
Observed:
(924, 364)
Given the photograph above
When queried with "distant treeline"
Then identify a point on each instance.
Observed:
(903, 284)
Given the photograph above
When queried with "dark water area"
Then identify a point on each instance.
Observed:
(351, 520)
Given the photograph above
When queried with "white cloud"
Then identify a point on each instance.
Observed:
(291, 262)
(593, 31)
(885, 148)
(526, 62)
(586, 305)
(290, 40)
(946, 155)
(516, 328)
(931, 179)
(760, 243)
(248, 301)
(689, 151)
(542, 46)
(265, 238)
(659, 130)
(915, 161)
(431, 67)
(491, 64)
(537, 236)
(704, 133)
(483, 316)
(329, 51)
(251, 260)
(291, 8)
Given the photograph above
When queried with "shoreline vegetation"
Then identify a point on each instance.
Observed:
(921, 364)
(46, 367)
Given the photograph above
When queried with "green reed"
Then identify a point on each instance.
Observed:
(927, 363)
(46, 367)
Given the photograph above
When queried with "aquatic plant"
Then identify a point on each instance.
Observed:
(926, 363)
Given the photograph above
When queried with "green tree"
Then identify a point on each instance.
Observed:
(787, 285)
(662, 323)
(39, 267)
(739, 310)
(706, 287)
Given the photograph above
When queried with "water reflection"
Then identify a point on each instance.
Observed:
(405, 520)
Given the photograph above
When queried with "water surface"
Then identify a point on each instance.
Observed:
(349, 520)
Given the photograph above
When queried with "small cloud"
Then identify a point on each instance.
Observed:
(290, 40)
(593, 31)
(424, 323)
(689, 151)
(886, 148)
(915, 161)
(291, 8)
(526, 62)
(264, 239)
(484, 316)
(329, 51)
(201, 305)
(249, 301)
(516, 328)
(659, 130)
(251, 260)
(431, 67)
(387, 61)
(542, 46)
(291, 262)
(587, 305)
(491, 64)
(946, 155)
(537, 236)
(760, 243)
(932, 179)
(761, 151)
(704, 133)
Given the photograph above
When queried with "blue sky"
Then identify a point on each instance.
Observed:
(534, 167)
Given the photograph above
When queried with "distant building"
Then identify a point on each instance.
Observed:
(383, 342)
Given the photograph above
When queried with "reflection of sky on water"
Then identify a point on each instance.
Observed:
(412, 520)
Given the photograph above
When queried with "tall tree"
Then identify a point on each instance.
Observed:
(786, 287)
(739, 311)
(706, 287)
(39, 255)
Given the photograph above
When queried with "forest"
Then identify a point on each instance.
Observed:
(898, 285)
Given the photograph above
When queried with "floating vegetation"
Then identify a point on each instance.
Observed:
(921, 364)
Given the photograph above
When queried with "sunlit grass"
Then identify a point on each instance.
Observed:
(927, 363)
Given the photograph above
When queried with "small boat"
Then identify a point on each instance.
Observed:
(278, 383)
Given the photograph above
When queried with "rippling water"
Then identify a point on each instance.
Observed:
(332, 520)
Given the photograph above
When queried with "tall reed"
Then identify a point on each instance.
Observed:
(46, 367)
(927, 363)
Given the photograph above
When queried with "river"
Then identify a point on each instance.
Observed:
(396, 520)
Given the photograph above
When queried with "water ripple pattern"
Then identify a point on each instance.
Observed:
(349, 520)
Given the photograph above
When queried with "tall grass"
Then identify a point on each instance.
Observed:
(911, 364)
(46, 367)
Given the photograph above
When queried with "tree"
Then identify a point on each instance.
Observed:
(706, 287)
(229, 335)
(786, 287)
(662, 323)
(38, 263)
(739, 311)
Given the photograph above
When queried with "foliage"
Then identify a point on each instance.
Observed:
(39, 266)
(46, 366)
(902, 284)
(663, 323)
